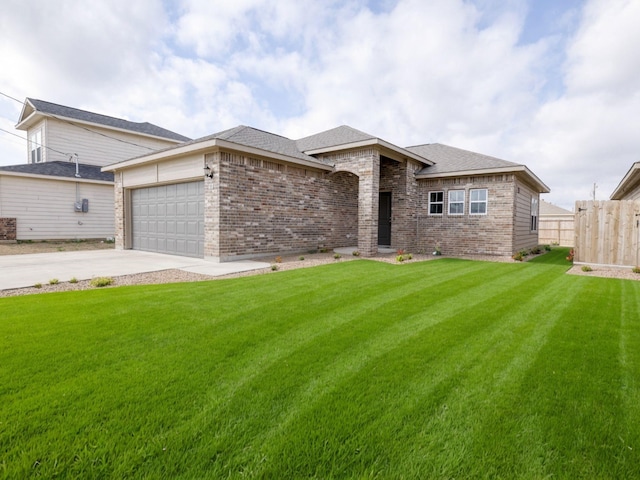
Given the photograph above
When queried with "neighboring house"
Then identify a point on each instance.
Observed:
(60, 193)
(608, 232)
(556, 225)
(245, 193)
(629, 186)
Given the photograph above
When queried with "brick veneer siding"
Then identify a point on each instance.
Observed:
(365, 163)
(256, 206)
(490, 234)
(8, 229)
(399, 179)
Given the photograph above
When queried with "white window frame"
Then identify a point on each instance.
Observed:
(534, 214)
(478, 202)
(455, 202)
(435, 203)
(35, 146)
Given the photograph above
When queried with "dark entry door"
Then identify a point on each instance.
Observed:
(384, 219)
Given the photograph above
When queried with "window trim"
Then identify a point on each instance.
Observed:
(36, 149)
(441, 203)
(535, 206)
(484, 202)
(457, 202)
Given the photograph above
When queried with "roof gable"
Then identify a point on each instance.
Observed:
(34, 106)
(342, 135)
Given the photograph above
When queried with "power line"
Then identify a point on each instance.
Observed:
(12, 98)
(35, 143)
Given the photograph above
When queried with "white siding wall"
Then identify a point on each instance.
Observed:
(93, 148)
(45, 208)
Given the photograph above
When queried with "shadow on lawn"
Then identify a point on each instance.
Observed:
(557, 256)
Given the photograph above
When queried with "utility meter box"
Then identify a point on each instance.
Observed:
(82, 205)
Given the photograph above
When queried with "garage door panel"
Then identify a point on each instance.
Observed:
(169, 219)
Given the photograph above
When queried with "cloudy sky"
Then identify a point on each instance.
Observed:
(553, 84)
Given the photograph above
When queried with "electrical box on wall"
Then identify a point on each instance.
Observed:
(82, 206)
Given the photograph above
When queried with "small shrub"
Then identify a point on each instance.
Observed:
(274, 267)
(73, 280)
(54, 281)
(278, 259)
(356, 253)
(409, 256)
(518, 257)
(400, 258)
(110, 240)
(300, 258)
(536, 251)
(547, 248)
(524, 253)
(635, 269)
(400, 251)
(437, 251)
(587, 268)
(37, 285)
(101, 281)
(323, 250)
(337, 256)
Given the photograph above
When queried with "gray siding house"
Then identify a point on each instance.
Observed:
(245, 193)
(60, 191)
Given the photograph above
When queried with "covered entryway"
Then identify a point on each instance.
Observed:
(169, 219)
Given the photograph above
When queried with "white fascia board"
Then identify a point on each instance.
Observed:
(625, 182)
(491, 171)
(368, 143)
(54, 178)
(211, 146)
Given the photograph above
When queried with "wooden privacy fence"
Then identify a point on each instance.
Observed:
(608, 232)
(556, 229)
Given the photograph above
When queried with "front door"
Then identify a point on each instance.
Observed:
(384, 219)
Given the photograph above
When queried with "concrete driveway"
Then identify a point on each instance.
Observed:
(18, 271)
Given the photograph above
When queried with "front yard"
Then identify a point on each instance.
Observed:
(439, 369)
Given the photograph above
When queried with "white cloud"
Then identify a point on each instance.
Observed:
(450, 71)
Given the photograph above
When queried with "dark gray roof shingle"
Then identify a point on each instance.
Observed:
(270, 142)
(60, 169)
(331, 138)
(450, 159)
(85, 116)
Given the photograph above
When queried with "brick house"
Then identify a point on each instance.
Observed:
(245, 193)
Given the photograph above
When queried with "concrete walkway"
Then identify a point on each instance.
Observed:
(19, 271)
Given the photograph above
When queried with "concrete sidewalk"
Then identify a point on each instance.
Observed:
(19, 271)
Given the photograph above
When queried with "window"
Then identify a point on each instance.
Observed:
(436, 203)
(534, 214)
(456, 202)
(478, 202)
(35, 146)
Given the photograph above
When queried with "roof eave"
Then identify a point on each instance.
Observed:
(212, 145)
(55, 177)
(368, 143)
(629, 179)
(540, 185)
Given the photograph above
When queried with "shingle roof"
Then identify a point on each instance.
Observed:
(270, 142)
(331, 138)
(450, 159)
(60, 169)
(547, 208)
(85, 116)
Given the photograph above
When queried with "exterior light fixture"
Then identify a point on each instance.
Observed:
(208, 172)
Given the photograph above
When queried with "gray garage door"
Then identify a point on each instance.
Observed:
(169, 219)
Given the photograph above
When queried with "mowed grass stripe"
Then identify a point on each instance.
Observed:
(351, 370)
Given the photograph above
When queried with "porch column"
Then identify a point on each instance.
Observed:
(368, 199)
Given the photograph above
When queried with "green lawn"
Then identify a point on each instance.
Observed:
(441, 369)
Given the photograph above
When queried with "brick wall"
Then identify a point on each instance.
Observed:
(490, 234)
(269, 207)
(8, 227)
